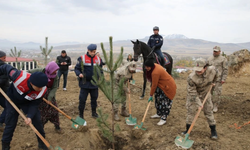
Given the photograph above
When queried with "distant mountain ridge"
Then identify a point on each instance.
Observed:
(6, 44)
(175, 36)
(175, 44)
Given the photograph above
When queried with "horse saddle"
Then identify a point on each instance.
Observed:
(160, 61)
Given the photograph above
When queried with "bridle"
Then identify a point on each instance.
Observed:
(141, 52)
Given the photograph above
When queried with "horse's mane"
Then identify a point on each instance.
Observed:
(145, 46)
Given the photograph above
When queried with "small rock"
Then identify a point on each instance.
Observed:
(28, 145)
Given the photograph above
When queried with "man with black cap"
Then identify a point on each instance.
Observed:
(63, 62)
(26, 91)
(155, 41)
(84, 70)
(4, 84)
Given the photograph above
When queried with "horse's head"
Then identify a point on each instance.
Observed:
(137, 49)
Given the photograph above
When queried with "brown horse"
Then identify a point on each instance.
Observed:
(142, 48)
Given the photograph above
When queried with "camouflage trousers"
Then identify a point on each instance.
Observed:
(123, 105)
(192, 108)
(216, 92)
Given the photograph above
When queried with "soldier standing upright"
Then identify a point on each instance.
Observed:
(198, 85)
(220, 63)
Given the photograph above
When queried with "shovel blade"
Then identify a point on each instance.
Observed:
(132, 81)
(184, 142)
(78, 122)
(130, 120)
(139, 127)
(58, 148)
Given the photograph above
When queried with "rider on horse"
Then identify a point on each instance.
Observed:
(155, 42)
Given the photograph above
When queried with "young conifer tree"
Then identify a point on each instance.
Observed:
(16, 54)
(111, 89)
(46, 51)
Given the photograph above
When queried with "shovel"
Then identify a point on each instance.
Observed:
(130, 120)
(76, 123)
(31, 125)
(132, 81)
(140, 126)
(185, 142)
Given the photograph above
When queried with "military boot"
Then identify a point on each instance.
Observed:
(124, 112)
(5, 146)
(163, 62)
(116, 116)
(213, 132)
(187, 128)
(94, 114)
(41, 145)
(81, 114)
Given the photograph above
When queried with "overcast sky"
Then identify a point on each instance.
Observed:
(93, 21)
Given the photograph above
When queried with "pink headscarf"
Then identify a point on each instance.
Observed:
(50, 68)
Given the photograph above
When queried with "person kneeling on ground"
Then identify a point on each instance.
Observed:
(164, 88)
(48, 113)
(199, 82)
(26, 92)
(125, 72)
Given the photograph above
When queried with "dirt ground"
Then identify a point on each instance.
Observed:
(235, 108)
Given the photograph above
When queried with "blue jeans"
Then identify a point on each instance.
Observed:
(65, 75)
(2, 103)
(159, 53)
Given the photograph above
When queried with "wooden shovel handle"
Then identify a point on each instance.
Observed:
(24, 117)
(129, 100)
(146, 112)
(48, 102)
(199, 110)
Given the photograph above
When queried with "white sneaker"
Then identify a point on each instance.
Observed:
(161, 122)
(155, 116)
(215, 109)
(64, 89)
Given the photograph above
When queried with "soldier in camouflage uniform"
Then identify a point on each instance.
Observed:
(125, 71)
(220, 63)
(198, 85)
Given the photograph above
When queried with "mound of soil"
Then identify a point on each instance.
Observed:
(239, 62)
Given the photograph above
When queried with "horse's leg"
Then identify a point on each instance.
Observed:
(144, 84)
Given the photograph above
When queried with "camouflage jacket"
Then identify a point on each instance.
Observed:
(221, 65)
(198, 85)
(125, 71)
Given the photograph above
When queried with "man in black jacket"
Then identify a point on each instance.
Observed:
(155, 42)
(63, 62)
(4, 84)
